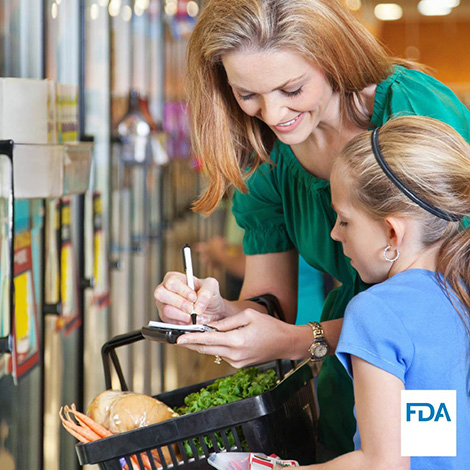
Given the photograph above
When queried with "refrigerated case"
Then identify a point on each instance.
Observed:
(91, 261)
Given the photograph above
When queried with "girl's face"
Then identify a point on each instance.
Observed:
(281, 88)
(364, 238)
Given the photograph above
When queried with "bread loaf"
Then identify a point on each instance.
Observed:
(124, 411)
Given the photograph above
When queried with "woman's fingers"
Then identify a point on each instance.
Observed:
(233, 322)
(205, 295)
(175, 300)
(175, 283)
(228, 354)
(234, 341)
(174, 315)
(246, 338)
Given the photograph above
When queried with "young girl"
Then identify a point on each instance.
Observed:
(400, 193)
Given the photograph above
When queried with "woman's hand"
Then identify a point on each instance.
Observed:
(174, 299)
(249, 337)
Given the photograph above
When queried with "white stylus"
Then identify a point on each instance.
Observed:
(188, 268)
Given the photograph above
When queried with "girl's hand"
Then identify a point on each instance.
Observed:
(246, 338)
(174, 299)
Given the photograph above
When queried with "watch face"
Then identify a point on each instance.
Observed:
(321, 350)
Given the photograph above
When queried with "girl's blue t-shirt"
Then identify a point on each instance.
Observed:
(408, 327)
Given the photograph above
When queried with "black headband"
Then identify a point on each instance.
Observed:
(410, 194)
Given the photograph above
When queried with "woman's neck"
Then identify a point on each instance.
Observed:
(332, 133)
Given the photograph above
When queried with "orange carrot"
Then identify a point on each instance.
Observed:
(69, 424)
(134, 462)
(86, 420)
(88, 430)
(146, 462)
(75, 434)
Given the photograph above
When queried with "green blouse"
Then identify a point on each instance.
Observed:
(287, 207)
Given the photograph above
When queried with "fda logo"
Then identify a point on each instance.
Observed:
(429, 423)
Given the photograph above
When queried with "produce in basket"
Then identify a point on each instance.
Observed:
(124, 411)
(245, 383)
(113, 412)
(86, 430)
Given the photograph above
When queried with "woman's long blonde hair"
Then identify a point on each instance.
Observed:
(431, 159)
(323, 31)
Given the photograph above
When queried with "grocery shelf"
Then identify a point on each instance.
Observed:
(44, 171)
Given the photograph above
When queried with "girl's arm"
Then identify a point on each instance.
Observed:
(377, 394)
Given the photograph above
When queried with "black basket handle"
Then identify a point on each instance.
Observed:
(108, 353)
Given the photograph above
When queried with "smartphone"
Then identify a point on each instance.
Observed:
(169, 333)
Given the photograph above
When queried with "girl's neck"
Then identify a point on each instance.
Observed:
(424, 259)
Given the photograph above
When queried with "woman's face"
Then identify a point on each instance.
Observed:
(283, 89)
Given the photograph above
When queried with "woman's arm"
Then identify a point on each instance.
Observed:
(273, 273)
(246, 335)
(377, 395)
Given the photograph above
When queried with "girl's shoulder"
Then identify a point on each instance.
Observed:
(408, 280)
(413, 286)
(409, 297)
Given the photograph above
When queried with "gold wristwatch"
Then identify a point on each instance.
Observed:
(319, 349)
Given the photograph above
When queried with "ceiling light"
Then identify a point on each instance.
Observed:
(433, 8)
(94, 11)
(449, 3)
(114, 7)
(388, 11)
(354, 5)
(126, 13)
(192, 8)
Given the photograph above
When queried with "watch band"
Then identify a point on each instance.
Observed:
(319, 348)
(317, 330)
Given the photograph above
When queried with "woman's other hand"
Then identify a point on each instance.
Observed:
(175, 300)
(247, 338)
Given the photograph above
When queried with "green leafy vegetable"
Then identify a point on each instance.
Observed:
(245, 383)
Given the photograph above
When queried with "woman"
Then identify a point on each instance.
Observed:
(276, 89)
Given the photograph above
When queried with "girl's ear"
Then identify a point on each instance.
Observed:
(396, 228)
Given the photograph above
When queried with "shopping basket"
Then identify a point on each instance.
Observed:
(280, 421)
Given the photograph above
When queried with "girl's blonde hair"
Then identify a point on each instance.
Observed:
(323, 31)
(431, 159)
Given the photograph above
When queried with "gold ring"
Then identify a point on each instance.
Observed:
(218, 359)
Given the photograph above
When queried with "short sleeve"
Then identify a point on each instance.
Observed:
(260, 213)
(412, 92)
(372, 332)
